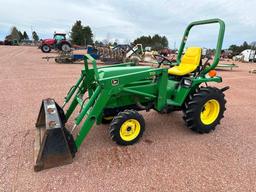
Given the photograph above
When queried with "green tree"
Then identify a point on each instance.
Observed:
(245, 45)
(81, 35)
(98, 43)
(15, 34)
(146, 41)
(157, 42)
(165, 42)
(35, 36)
(8, 37)
(25, 35)
(116, 42)
(88, 35)
(20, 36)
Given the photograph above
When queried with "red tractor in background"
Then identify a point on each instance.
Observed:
(59, 42)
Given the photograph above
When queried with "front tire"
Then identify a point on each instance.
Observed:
(204, 109)
(127, 127)
(46, 49)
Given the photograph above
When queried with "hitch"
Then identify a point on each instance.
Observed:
(224, 88)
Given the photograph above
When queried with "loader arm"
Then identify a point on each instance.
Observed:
(92, 109)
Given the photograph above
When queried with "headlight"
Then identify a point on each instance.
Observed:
(187, 82)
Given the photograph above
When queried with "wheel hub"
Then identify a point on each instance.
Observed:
(65, 48)
(210, 112)
(45, 48)
(130, 129)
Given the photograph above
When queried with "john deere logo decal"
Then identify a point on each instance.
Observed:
(115, 82)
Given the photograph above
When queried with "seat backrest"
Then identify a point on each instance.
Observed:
(191, 58)
(189, 62)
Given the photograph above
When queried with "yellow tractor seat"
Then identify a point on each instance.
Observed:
(189, 62)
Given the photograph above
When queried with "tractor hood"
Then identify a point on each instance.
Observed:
(114, 71)
(48, 41)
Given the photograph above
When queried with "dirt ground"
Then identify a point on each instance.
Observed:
(169, 157)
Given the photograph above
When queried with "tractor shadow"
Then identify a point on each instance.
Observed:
(99, 150)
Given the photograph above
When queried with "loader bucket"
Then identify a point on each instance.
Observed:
(54, 144)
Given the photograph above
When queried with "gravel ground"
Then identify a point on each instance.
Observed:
(169, 157)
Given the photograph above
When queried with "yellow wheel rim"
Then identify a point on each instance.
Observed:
(210, 112)
(130, 129)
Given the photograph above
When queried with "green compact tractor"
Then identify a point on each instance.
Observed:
(115, 94)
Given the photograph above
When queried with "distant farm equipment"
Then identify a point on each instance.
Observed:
(107, 54)
(58, 42)
(247, 55)
(253, 71)
(73, 55)
(223, 66)
(10, 42)
(65, 57)
(120, 53)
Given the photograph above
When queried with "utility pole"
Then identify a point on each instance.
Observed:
(31, 28)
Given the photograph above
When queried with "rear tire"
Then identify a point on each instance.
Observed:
(127, 127)
(204, 109)
(46, 49)
(65, 47)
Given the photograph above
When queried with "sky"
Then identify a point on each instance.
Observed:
(125, 20)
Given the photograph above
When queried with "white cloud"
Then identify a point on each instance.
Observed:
(129, 19)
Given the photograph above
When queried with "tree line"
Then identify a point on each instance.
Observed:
(82, 35)
(17, 35)
(156, 42)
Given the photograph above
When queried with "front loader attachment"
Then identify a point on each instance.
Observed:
(54, 145)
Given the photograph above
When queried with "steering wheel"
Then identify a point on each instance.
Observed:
(162, 60)
(206, 64)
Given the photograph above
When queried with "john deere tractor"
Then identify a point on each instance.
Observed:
(115, 94)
